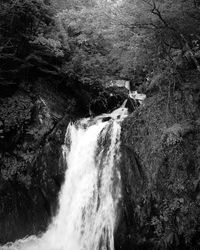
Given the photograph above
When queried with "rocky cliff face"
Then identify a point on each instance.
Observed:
(31, 168)
(160, 175)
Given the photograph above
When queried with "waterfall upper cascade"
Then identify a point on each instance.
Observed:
(90, 196)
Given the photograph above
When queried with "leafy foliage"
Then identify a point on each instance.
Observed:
(35, 14)
(15, 169)
(30, 50)
(15, 112)
(87, 43)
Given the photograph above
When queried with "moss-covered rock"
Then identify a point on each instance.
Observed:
(161, 184)
(32, 170)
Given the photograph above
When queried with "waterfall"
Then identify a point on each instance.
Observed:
(90, 196)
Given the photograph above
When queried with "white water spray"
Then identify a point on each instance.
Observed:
(89, 198)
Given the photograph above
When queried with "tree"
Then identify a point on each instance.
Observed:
(27, 32)
(86, 31)
(148, 33)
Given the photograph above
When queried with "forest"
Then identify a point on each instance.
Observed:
(58, 59)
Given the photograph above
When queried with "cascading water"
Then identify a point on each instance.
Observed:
(88, 202)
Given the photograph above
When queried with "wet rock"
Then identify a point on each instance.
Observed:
(133, 185)
(105, 119)
(108, 99)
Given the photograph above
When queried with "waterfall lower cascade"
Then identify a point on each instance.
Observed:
(90, 196)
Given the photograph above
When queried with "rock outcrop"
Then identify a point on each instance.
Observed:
(160, 175)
